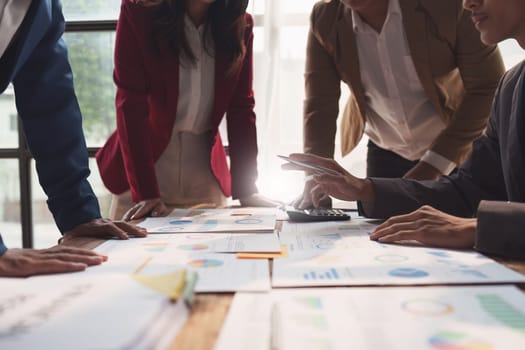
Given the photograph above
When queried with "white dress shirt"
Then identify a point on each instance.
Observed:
(12, 13)
(400, 117)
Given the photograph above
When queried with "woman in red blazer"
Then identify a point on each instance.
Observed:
(180, 66)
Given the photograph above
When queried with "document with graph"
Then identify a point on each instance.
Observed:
(339, 254)
(207, 243)
(433, 318)
(156, 257)
(213, 220)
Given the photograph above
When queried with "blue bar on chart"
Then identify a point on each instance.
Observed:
(330, 274)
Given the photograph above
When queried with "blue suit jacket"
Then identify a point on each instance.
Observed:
(51, 118)
(489, 185)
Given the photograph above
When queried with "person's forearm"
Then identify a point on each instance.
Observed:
(367, 191)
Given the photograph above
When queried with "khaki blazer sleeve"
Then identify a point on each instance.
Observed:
(480, 68)
(322, 90)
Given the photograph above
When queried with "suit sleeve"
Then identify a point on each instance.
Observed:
(242, 134)
(132, 110)
(481, 68)
(3, 248)
(322, 93)
(500, 229)
(52, 124)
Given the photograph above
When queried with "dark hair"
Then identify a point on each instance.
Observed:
(226, 21)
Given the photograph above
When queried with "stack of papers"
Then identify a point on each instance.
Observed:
(95, 309)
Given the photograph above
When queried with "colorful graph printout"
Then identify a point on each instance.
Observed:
(217, 272)
(321, 254)
(212, 220)
(205, 263)
(156, 247)
(427, 307)
(193, 247)
(450, 340)
(432, 318)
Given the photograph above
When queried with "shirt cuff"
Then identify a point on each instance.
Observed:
(439, 162)
(3, 248)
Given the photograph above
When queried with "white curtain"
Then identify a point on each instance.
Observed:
(281, 29)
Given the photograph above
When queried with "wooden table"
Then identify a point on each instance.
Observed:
(209, 310)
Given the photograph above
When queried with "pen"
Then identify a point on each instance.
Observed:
(188, 294)
(181, 285)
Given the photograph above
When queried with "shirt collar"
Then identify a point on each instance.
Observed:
(191, 26)
(360, 26)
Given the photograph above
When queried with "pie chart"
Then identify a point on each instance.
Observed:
(408, 272)
(457, 341)
(193, 247)
(205, 263)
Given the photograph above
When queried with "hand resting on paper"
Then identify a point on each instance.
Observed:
(105, 228)
(428, 226)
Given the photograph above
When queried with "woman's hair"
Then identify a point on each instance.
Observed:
(225, 21)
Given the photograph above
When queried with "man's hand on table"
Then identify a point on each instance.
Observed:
(104, 228)
(428, 226)
(58, 259)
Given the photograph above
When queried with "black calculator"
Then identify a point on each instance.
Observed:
(317, 214)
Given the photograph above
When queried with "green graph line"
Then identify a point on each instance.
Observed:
(502, 311)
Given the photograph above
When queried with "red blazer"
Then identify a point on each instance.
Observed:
(146, 104)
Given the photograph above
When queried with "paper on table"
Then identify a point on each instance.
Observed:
(327, 236)
(481, 317)
(340, 254)
(394, 265)
(217, 272)
(212, 220)
(205, 243)
(247, 325)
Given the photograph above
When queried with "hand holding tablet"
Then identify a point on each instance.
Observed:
(310, 167)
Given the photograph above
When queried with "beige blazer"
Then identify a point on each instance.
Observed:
(458, 73)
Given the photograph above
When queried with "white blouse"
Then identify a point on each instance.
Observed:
(196, 82)
(12, 13)
(400, 116)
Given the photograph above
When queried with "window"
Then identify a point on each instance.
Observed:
(281, 28)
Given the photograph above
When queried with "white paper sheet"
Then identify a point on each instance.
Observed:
(327, 236)
(204, 243)
(433, 318)
(339, 254)
(213, 220)
(157, 255)
(247, 325)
